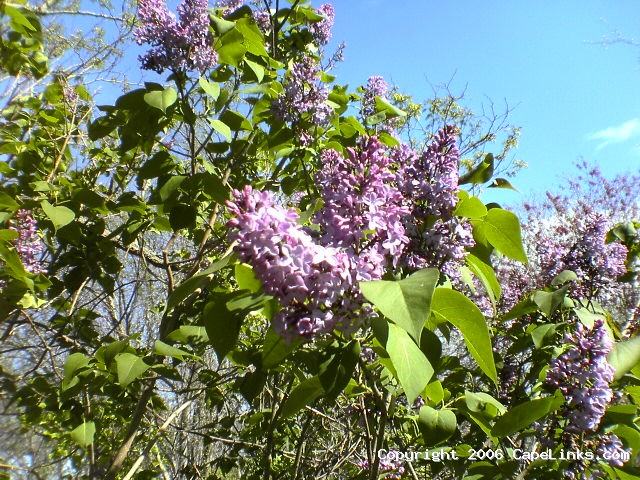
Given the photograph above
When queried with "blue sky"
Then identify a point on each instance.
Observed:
(573, 96)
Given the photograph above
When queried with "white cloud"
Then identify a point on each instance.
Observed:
(617, 134)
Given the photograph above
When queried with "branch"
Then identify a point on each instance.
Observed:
(146, 450)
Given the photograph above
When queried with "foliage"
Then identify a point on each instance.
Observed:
(250, 271)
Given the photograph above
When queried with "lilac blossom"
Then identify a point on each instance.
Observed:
(580, 246)
(308, 279)
(177, 44)
(304, 96)
(229, 6)
(28, 245)
(609, 444)
(321, 30)
(376, 87)
(263, 19)
(429, 183)
(583, 375)
(363, 211)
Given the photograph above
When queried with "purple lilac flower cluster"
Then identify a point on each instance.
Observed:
(28, 244)
(610, 446)
(583, 376)
(321, 30)
(182, 44)
(581, 247)
(376, 87)
(229, 6)
(430, 183)
(307, 278)
(304, 95)
(363, 212)
(365, 229)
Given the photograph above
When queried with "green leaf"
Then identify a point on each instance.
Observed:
(6, 234)
(436, 425)
(222, 26)
(548, 302)
(503, 183)
(161, 99)
(541, 334)
(17, 18)
(232, 49)
(483, 403)
(162, 348)
(188, 333)
(236, 121)
(210, 88)
(222, 128)
(390, 111)
(276, 349)
(523, 415)
(625, 356)
(182, 216)
(470, 207)
(406, 302)
(223, 325)
(73, 363)
(630, 435)
(486, 275)
(59, 216)
(502, 230)
(7, 203)
(196, 283)
(246, 278)
(434, 392)
(257, 69)
(336, 373)
(457, 309)
(481, 173)
(563, 277)
(107, 353)
(304, 394)
(83, 434)
(130, 367)
(411, 366)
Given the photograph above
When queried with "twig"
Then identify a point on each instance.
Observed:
(146, 450)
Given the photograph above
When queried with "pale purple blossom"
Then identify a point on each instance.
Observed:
(583, 375)
(28, 245)
(312, 282)
(376, 87)
(229, 6)
(429, 183)
(177, 44)
(304, 96)
(609, 444)
(363, 211)
(321, 30)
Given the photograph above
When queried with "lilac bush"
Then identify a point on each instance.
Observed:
(177, 45)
